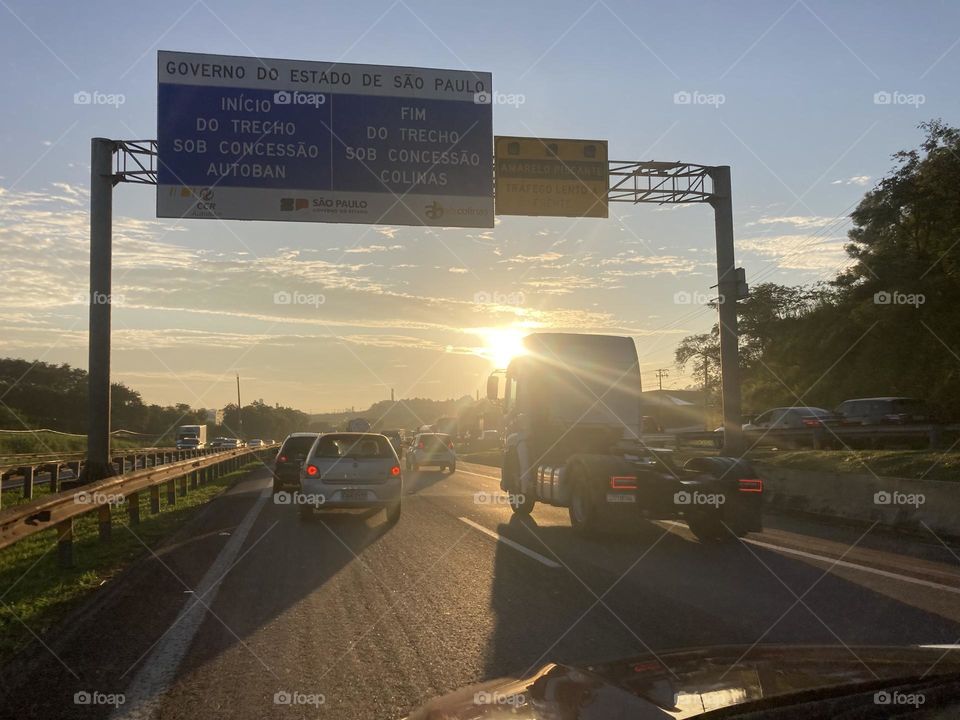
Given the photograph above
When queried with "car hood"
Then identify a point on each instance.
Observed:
(687, 683)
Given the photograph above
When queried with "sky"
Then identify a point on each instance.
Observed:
(805, 100)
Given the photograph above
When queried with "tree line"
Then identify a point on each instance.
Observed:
(35, 395)
(888, 324)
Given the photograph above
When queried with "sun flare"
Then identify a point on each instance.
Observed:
(501, 345)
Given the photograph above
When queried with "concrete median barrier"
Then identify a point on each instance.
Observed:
(902, 503)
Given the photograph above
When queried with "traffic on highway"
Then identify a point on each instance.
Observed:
(348, 371)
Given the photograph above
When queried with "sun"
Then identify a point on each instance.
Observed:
(501, 345)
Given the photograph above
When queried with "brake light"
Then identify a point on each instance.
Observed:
(812, 422)
(395, 470)
(281, 458)
(754, 485)
(623, 482)
(312, 470)
(420, 445)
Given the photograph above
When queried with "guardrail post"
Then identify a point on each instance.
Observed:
(103, 521)
(194, 480)
(171, 492)
(74, 468)
(133, 508)
(182, 491)
(155, 499)
(65, 542)
(55, 478)
(27, 482)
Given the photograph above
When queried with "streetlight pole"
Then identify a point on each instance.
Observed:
(239, 409)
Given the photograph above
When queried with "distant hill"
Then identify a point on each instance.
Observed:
(409, 414)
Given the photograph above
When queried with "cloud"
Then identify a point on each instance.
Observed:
(799, 252)
(860, 180)
(798, 221)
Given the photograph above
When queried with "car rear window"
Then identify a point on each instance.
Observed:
(436, 440)
(353, 446)
(299, 445)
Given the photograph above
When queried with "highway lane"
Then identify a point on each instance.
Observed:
(373, 619)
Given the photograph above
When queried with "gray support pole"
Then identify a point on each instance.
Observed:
(101, 221)
(722, 202)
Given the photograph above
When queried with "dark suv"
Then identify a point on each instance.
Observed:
(286, 468)
(882, 411)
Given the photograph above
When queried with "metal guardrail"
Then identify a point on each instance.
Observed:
(60, 509)
(28, 466)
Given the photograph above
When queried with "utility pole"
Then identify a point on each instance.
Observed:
(661, 374)
(239, 409)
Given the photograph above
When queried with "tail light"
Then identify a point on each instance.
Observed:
(395, 470)
(623, 482)
(312, 470)
(751, 485)
(420, 445)
(812, 422)
(450, 444)
(281, 458)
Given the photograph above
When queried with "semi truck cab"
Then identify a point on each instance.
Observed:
(573, 416)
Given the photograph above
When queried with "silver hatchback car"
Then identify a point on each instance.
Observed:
(351, 470)
(432, 449)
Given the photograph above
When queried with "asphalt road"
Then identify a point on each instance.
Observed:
(353, 618)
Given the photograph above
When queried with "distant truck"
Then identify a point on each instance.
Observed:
(358, 425)
(573, 439)
(191, 437)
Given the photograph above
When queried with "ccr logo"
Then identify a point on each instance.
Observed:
(434, 210)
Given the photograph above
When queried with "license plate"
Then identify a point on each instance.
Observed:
(619, 498)
(353, 494)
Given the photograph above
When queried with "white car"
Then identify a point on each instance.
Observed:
(431, 449)
(351, 470)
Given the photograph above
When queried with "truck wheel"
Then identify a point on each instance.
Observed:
(708, 528)
(584, 513)
(393, 513)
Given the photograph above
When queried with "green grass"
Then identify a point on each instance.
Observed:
(927, 464)
(37, 594)
(47, 442)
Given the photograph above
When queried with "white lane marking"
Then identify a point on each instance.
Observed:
(467, 472)
(515, 545)
(844, 563)
(148, 687)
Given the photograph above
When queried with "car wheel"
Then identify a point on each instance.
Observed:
(584, 513)
(452, 468)
(393, 512)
